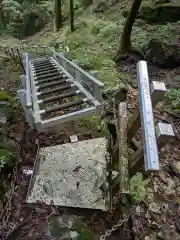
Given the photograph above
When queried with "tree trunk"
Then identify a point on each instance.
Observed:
(125, 44)
(2, 18)
(58, 15)
(71, 10)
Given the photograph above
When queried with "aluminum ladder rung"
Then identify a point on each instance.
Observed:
(47, 71)
(59, 80)
(50, 79)
(45, 76)
(39, 67)
(61, 96)
(58, 89)
(46, 85)
(50, 67)
(64, 106)
(42, 63)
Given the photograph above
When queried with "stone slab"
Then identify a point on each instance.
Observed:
(70, 175)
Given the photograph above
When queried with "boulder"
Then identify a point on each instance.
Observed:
(103, 5)
(162, 54)
(160, 14)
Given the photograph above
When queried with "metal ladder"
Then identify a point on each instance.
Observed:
(51, 95)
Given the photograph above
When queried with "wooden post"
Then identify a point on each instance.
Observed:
(158, 90)
(164, 133)
(123, 165)
(122, 179)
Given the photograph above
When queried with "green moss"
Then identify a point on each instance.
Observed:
(96, 123)
(173, 98)
(84, 232)
(96, 39)
(160, 14)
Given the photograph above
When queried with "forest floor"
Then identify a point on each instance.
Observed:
(158, 213)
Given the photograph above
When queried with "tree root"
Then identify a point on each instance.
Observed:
(123, 55)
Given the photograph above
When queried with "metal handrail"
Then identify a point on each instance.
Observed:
(151, 157)
(28, 87)
(76, 67)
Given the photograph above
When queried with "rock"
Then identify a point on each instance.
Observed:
(102, 5)
(170, 190)
(162, 54)
(167, 231)
(155, 208)
(61, 227)
(140, 211)
(158, 2)
(175, 169)
(160, 14)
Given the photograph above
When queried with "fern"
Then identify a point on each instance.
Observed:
(139, 187)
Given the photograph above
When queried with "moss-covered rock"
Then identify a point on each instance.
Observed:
(160, 14)
(163, 54)
(102, 5)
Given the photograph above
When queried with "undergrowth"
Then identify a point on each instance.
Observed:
(173, 99)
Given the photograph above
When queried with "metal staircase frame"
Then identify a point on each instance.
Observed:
(89, 86)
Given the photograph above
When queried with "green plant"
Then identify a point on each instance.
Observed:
(6, 159)
(8, 106)
(84, 232)
(173, 98)
(139, 187)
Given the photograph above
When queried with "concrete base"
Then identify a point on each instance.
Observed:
(70, 175)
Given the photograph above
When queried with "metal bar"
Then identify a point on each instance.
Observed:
(58, 97)
(164, 133)
(72, 64)
(158, 90)
(79, 86)
(36, 114)
(67, 117)
(46, 71)
(28, 84)
(65, 87)
(45, 66)
(23, 83)
(51, 84)
(64, 106)
(48, 79)
(43, 69)
(151, 157)
(49, 75)
(41, 61)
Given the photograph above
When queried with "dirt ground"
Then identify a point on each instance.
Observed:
(156, 218)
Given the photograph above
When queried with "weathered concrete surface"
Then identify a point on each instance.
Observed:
(70, 175)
